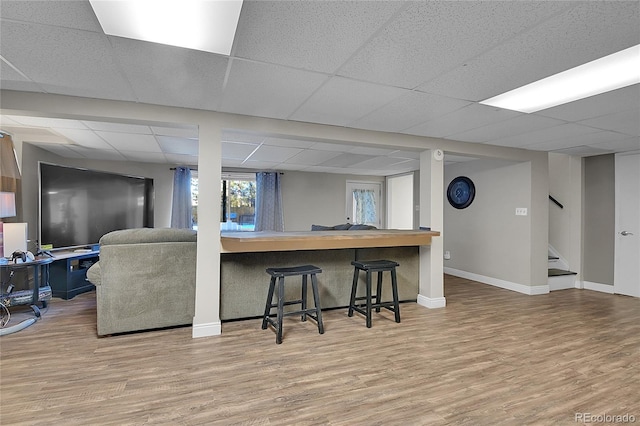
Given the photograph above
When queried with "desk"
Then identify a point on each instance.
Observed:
(246, 255)
(41, 291)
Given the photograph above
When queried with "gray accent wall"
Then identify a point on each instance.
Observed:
(599, 219)
(487, 238)
(316, 198)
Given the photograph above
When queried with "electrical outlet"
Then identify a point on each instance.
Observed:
(447, 255)
(521, 211)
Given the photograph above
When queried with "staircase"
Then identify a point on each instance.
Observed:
(560, 277)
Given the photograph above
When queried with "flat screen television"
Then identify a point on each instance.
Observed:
(78, 206)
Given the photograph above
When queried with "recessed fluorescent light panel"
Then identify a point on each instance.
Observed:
(612, 72)
(207, 25)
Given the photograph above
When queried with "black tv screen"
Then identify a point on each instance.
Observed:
(78, 206)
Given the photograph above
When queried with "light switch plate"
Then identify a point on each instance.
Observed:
(521, 211)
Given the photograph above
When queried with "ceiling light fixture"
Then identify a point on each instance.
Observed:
(611, 72)
(205, 25)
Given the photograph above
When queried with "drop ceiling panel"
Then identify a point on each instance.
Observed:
(619, 100)
(86, 138)
(98, 154)
(61, 150)
(131, 142)
(119, 127)
(144, 157)
(582, 151)
(626, 122)
(238, 151)
(407, 111)
(312, 157)
(281, 33)
(168, 75)
(544, 135)
(581, 34)
(429, 38)
(516, 126)
(577, 140)
(181, 159)
(260, 165)
(174, 145)
(273, 153)
(341, 101)
(291, 143)
(45, 122)
(266, 90)
(64, 61)
(179, 132)
(59, 13)
(629, 144)
(467, 118)
(346, 160)
(378, 163)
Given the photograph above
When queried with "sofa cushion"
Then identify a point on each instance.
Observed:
(360, 227)
(342, 227)
(321, 228)
(149, 235)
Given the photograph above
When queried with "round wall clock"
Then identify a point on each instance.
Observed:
(461, 192)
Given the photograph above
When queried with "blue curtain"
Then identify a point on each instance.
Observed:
(181, 215)
(269, 215)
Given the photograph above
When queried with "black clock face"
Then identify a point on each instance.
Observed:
(461, 192)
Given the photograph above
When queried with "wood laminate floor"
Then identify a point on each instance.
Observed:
(490, 357)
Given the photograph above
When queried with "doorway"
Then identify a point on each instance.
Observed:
(400, 202)
(626, 272)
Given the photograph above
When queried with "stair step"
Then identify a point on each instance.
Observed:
(553, 272)
(554, 258)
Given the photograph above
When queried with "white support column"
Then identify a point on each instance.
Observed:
(431, 294)
(206, 321)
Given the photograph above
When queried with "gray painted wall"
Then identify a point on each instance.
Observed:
(487, 238)
(599, 219)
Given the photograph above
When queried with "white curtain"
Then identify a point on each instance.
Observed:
(181, 215)
(364, 207)
(269, 215)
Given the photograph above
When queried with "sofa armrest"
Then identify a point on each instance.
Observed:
(94, 274)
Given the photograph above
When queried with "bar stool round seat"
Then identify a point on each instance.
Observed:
(369, 267)
(314, 313)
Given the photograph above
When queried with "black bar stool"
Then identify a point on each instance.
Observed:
(315, 313)
(369, 267)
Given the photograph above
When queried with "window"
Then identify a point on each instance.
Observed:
(238, 201)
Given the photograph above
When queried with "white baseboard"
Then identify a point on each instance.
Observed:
(431, 303)
(507, 285)
(603, 288)
(206, 330)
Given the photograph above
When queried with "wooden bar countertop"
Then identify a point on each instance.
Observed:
(247, 242)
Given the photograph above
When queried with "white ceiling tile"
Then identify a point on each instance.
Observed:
(118, 127)
(181, 159)
(429, 38)
(266, 90)
(407, 111)
(369, 150)
(607, 103)
(312, 157)
(131, 141)
(260, 165)
(86, 138)
(626, 122)
(273, 153)
(238, 151)
(190, 132)
(65, 61)
(408, 165)
(326, 169)
(49, 122)
(282, 33)
(378, 163)
(524, 123)
(289, 166)
(174, 145)
(168, 75)
(621, 145)
(58, 149)
(341, 101)
(59, 13)
(582, 151)
(346, 160)
(577, 140)
(467, 118)
(98, 154)
(324, 146)
(544, 135)
(580, 34)
(291, 143)
(144, 157)
(239, 136)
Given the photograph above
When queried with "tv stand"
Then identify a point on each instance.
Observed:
(68, 272)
